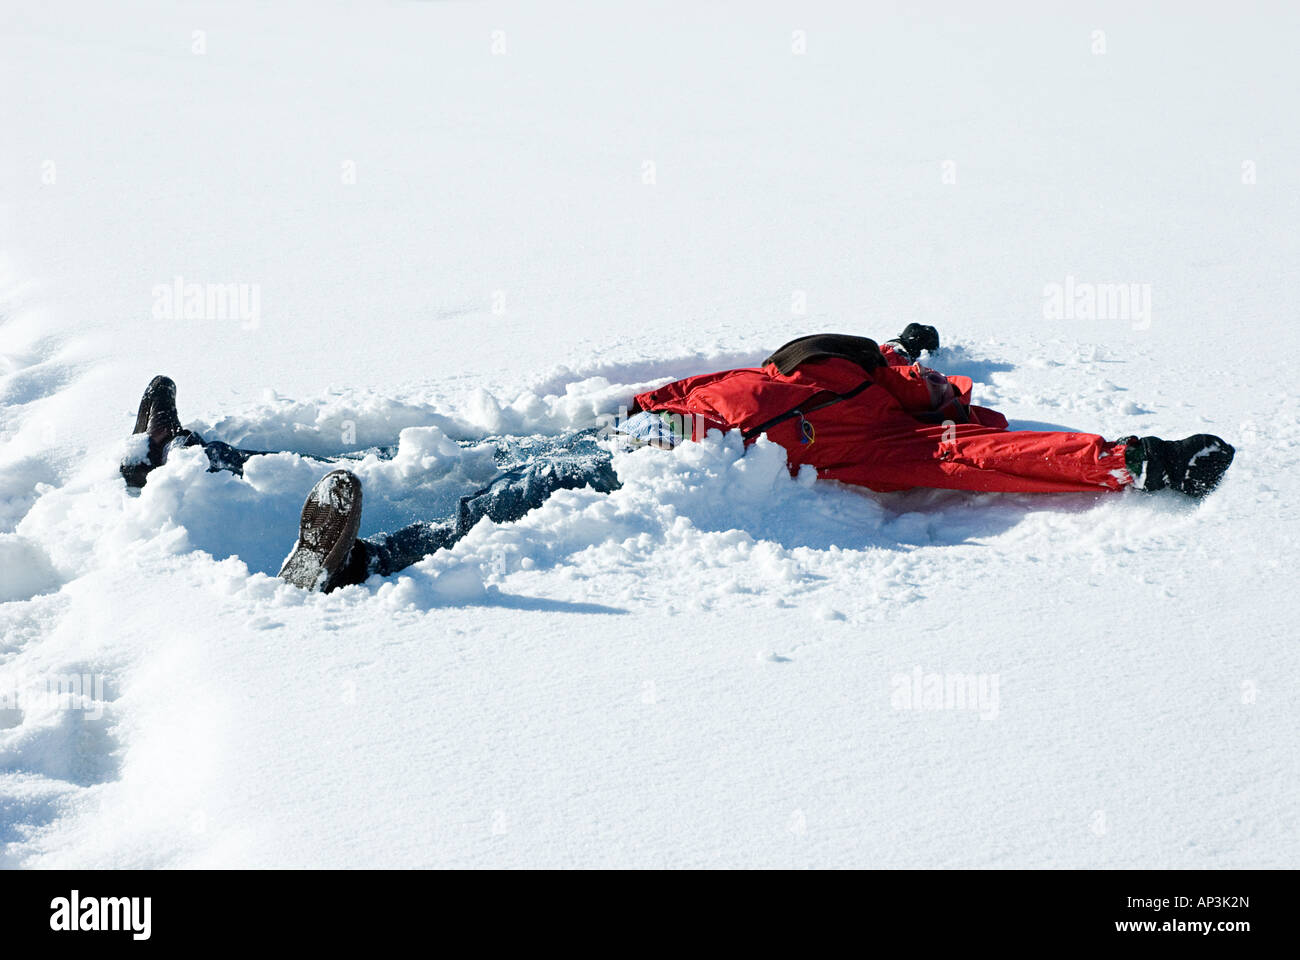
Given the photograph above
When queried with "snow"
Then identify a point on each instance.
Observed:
(719, 664)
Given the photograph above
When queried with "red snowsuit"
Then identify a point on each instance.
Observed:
(875, 439)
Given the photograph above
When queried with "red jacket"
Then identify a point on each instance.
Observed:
(909, 427)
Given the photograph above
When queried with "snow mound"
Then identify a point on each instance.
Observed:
(27, 569)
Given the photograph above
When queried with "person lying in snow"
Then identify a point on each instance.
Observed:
(856, 411)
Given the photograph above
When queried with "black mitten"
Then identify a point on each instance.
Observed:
(917, 337)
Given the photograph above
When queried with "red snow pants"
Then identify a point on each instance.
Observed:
(909, 427)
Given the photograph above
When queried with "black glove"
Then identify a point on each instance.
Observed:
(917, 337)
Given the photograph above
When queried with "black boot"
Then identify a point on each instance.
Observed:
(157, 417)
(917, 337)
(327, 532)
(1193, 466)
